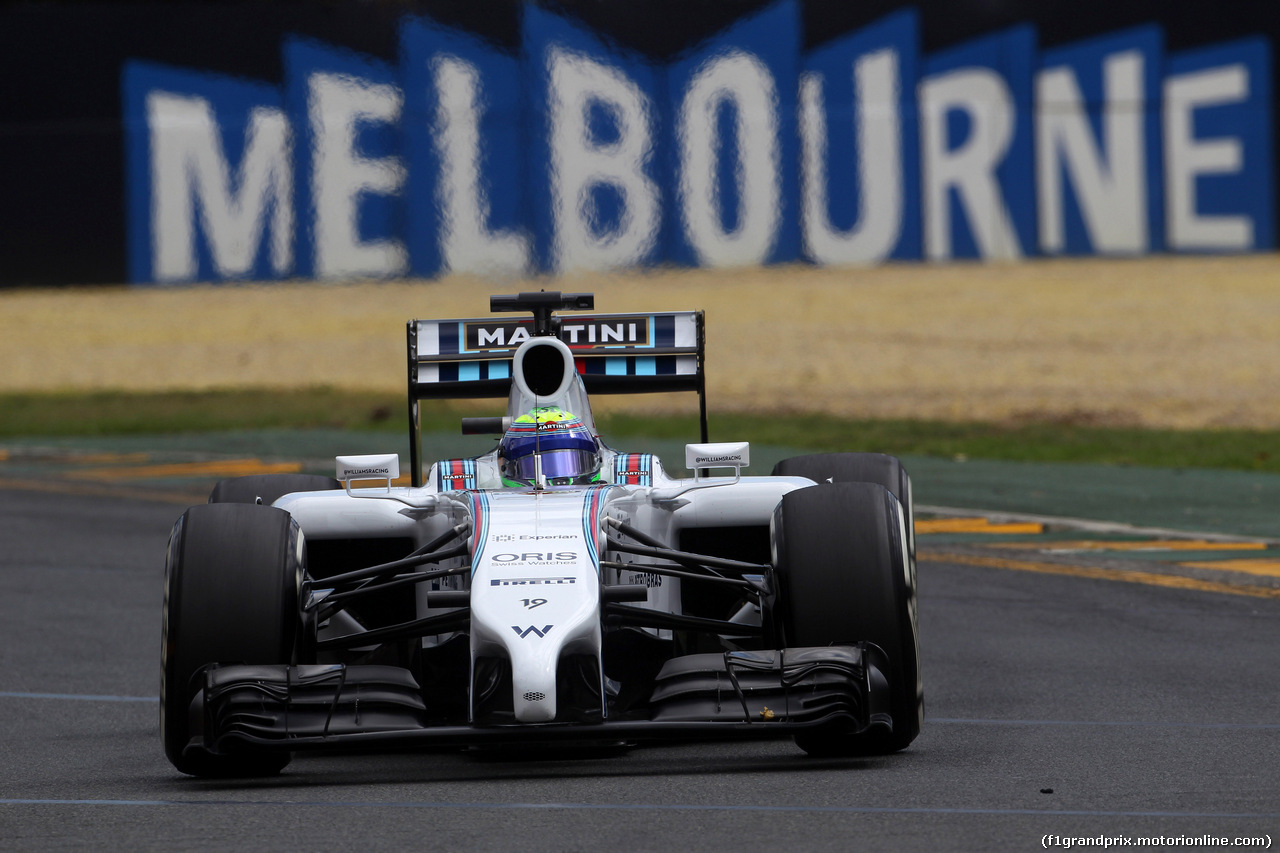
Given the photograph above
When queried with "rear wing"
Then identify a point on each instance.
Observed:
(613, 353)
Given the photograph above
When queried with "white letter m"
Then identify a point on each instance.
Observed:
(190, 176)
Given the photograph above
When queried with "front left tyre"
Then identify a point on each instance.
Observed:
(879, 468)
(266, 489)
(233, 577)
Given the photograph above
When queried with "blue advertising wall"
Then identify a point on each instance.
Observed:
(976, 129)
(466, 193)
(575, 136)
(860, 149)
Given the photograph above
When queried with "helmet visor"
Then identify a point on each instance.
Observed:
(556, 465)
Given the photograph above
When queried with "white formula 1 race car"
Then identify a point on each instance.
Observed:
(552, 590)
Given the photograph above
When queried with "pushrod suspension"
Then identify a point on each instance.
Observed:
(425, 554)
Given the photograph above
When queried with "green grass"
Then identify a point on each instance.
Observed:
(24, 415)
(1240, 449)
(111, 413)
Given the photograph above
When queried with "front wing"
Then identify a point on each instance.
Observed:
(734, 695)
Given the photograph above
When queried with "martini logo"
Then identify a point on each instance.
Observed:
(484, 336)
(490, 336)
(576, 332)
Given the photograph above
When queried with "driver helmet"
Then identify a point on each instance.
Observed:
(567, 450)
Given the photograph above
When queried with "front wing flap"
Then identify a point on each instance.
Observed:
(801, 685)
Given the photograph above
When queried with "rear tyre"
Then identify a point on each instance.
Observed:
(267, 488)
(231, 589)
(839, 553)
(878, 468)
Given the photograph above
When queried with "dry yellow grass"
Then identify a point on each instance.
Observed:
(1182, 342)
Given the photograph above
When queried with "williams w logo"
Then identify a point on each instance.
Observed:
(532, 629)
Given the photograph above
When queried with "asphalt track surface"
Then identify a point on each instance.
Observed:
(1058, 705)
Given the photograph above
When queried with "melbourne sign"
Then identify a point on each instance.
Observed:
(745, 149)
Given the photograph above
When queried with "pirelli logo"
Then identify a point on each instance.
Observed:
(532, 581)
(485, 335)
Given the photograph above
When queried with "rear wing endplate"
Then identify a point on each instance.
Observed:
(614, 354)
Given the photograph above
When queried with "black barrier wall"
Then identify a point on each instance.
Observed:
(177, 142)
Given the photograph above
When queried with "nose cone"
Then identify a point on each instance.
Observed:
(535, 593)
(534, 689)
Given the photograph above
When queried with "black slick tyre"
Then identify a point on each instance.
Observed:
(879, 468)
(267, 488)
(839, 554)
(232, 580)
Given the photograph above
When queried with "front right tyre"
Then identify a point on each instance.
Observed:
(233, 577)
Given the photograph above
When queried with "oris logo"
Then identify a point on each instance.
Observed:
(536, 557)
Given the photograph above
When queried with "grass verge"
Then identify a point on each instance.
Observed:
(109, 413)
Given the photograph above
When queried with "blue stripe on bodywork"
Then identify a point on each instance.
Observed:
(592, 502)
(480, 525)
